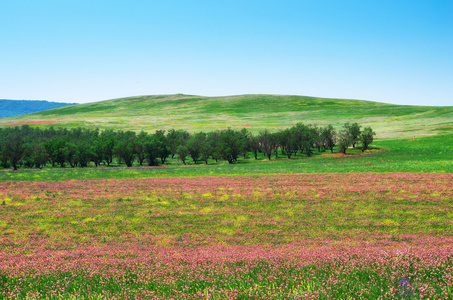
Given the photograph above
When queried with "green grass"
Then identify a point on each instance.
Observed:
(254, 112)
(336, 236)
(424, 154)
(352, 285)
(103, 228)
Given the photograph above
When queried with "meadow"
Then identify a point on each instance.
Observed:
(372, 225)
(254, 112)
(301, 236)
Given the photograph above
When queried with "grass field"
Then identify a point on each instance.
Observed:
(300, 236)
(254, 112)
(377, 225)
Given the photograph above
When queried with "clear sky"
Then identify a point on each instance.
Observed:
(394, 51)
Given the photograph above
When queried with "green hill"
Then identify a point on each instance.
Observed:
(254, 112)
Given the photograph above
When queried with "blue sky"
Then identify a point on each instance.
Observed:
(83, 51)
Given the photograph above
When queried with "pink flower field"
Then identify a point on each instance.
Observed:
(316, 236)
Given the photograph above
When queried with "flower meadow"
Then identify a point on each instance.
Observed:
(305, 236)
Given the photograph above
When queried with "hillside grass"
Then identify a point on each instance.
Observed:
(368, 225)
(254, 112)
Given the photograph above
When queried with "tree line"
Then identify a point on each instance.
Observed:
(25, 146)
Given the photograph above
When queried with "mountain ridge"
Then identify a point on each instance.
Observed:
(12, 108)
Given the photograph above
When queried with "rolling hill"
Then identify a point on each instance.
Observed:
(254, 112)
(11, 108)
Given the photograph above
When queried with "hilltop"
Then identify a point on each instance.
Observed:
(11, 108)
(254, 112)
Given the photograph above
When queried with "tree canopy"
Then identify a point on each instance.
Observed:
(25, 146)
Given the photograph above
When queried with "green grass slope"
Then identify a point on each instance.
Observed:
(254, 112)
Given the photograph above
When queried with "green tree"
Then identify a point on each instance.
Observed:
(139, 146)
(97, 152)
(344, 138)
(3, 154)
(84, 153)
(305, 137)
(70, 152)
(162, 141)
(213, 141)
(207, 148)
(56, 150)
(317, 139)
(366, 137)
(182, 152)
(268, 142)
(175, 138)
(244, 136)
(14, 147)
(231, 145)
(253, 145)
(354, 132)
(152, 150)
(35, 155)
(195, 145)
(39, 155)
(124, 147)
(289, 140)
(329, 137)
(107, 143)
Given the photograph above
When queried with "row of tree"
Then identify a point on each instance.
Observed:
(35, 147)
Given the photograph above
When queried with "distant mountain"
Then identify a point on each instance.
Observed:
(11, 108)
